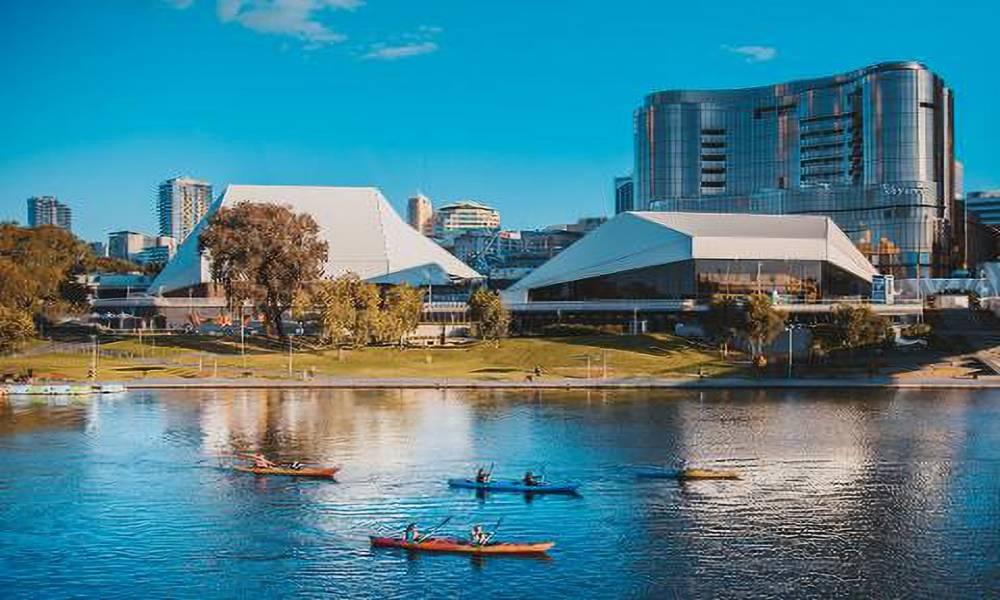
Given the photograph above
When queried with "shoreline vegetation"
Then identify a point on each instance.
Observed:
(585, 362)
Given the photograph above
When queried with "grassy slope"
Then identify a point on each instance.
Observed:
(627, 356)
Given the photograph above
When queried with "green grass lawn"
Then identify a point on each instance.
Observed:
(657, 355)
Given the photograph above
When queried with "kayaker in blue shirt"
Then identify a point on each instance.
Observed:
(411, 534)
(531, 479)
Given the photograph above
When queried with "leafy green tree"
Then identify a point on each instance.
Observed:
(761, 323)
(858, 327)
(265, 253)
(489, 314)
(16, 326)
(722, 321)
(402, 306)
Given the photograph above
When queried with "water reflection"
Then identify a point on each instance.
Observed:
(892, 493)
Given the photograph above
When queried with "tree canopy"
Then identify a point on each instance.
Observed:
(489, 314)
(762, 322)
(265, 253)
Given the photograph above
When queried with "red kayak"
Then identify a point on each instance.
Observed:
(315, 472)
(462, 546)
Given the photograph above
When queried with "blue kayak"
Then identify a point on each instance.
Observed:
(515, 486)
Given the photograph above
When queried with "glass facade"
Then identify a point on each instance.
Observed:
(807, 280)
(871, 149)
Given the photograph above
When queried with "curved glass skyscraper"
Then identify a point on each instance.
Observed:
(872, 149)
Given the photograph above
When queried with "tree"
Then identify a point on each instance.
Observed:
(858, 327)
(489, 314)
(265, 253)
(402, 307)
(349, 308)
(723, 320)
(15, 327)
(761, 323)
(38, 268)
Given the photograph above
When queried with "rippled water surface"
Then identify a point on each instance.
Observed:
(878, 494)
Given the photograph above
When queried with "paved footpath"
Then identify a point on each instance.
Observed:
(635, 383)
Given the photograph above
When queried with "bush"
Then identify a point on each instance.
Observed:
(916, 330)
(580, 329)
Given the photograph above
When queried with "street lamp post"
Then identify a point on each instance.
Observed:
(790, 329)
(93, 357)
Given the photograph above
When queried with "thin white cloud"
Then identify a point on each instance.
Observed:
(413, 43)
(754, 53)
(382, 52)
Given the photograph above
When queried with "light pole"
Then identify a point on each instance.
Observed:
(93, 357)
(790, 329)
(289, 355)
(243, 339)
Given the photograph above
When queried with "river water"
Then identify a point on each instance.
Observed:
(866, 493)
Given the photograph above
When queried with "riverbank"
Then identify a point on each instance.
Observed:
(989, 382)
(586, 362)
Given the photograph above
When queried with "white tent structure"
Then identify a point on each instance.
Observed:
(635, 240)
(365, 236)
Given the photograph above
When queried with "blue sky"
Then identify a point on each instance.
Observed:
(522, 104)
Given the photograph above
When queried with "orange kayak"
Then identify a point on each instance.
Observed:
(317, 472)
(708, 474)
(462, 546)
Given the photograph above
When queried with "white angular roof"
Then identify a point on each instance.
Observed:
(365, 236)
(633, 240)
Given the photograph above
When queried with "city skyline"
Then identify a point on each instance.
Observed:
(263, 100)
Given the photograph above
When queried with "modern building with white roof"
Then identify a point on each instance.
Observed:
(365, 235)
(652, 256)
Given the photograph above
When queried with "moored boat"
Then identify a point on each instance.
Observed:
(685, 474)
(514, 485)
(455, 545)
(313, 472)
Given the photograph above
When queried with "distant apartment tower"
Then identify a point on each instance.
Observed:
(139, 247)
(462, 216)
(46, 210)
(183, 201)
(624, 194)
(420, 214)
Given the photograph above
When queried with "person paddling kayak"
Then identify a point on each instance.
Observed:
(531, 479)
(482, 475)
(261, 462)
(478, 536)
(411, 534)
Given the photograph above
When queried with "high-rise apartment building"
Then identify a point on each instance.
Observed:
(182, 202)
(466, 215)
(872, 149)
(47, 210)
(624, 194)
(420, 214)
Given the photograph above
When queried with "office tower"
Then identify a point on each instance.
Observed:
(420, 214)
(872, 149)
(624, 194)
(182, 202)
(47, 210)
